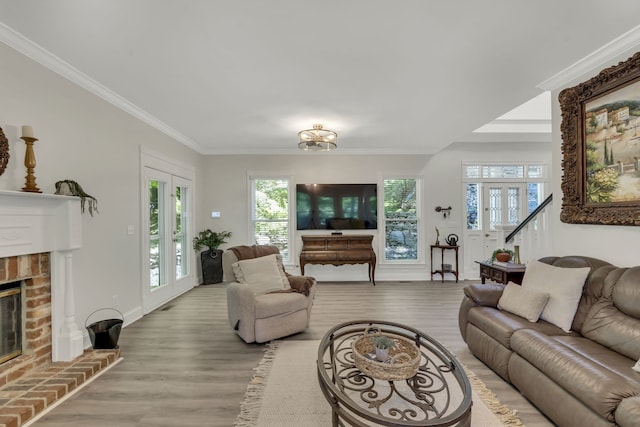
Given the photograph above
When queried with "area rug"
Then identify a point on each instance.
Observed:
(284, 391)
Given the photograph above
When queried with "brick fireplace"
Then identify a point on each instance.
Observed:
(38, 236)
(33, 270)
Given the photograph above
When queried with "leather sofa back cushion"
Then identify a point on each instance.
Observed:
(564, 286)
(614, 321)
(626, 292)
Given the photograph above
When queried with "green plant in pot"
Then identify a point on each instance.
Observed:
(211, 259)
(501, 254)
(68, 187)
(383, 344)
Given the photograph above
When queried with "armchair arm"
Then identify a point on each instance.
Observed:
(486, 295)
(241, 310)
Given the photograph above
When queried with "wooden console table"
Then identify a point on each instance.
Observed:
(501, 274)
(339, 250)
(442, 271)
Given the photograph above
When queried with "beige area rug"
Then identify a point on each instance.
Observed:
(285, 392)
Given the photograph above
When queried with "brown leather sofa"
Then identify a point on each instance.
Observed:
(580, 378)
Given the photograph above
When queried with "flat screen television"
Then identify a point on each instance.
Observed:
(336, 206)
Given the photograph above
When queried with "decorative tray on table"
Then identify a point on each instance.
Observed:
(402, 362)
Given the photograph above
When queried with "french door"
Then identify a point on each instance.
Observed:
(504, 204)
(490, 207)
(167, 225)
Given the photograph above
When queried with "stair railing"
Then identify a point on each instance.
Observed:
(528, 219)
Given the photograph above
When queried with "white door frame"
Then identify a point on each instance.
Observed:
(478, 245)
(154, 165)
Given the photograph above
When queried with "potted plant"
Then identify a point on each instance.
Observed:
(211, 259)
(68, 187)
(383, 344)
(502, 255)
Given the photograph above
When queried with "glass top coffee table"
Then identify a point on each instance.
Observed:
(439, 394)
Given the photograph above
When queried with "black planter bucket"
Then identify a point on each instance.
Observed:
(211, 266)
(104, 334)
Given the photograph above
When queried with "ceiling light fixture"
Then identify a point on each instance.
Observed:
(317, 139)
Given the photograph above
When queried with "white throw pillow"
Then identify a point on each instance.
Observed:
(263, 274)
(636, 367)
(564, 286)
(527, 303)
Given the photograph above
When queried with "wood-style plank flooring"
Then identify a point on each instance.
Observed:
(184, 366)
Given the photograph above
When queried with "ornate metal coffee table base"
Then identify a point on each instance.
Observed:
(438, 395)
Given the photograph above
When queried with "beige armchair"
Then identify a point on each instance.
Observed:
(262, 305)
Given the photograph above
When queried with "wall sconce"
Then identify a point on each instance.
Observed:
(444, 211)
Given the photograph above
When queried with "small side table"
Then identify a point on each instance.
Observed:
(441, 271)
(501, 274)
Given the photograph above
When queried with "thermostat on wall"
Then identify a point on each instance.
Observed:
(215, 214)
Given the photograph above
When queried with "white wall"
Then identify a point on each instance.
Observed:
(83, 138)
(615, 244)
(227, 191)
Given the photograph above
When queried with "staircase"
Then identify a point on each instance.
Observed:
(534, 235)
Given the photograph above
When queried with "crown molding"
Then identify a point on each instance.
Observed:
(594, 60)
(527, 137)
(18, 42)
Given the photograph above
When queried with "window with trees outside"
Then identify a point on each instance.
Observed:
(270, 213)
(401, 221)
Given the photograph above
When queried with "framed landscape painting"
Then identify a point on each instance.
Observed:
(601, 147)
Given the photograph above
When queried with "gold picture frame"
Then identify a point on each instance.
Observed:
(601, 147)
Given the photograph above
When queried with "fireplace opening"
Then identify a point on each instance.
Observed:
(10, 320)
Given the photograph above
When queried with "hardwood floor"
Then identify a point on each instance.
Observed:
(184, 366)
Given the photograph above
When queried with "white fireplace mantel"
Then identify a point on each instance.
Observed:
(36, 223)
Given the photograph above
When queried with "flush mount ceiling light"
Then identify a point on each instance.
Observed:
(317, 139)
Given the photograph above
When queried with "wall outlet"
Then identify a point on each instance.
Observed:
(114, 301)
(130, 229)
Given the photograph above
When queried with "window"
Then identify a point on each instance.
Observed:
(473, 206)
(157, 270)
(401, 199)
(270, 213)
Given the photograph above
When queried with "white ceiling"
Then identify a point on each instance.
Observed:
(408, 76)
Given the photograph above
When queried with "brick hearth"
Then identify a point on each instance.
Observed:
(33, 393)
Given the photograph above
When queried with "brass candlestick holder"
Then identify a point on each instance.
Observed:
(30, 164)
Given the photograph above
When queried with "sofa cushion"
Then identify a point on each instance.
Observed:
(524, 302)
(608, 326)
(626, 292)
(598, 387)
(262, 274)
(613, 320)
(601, 355)
(500, 325)
(564, 286)
(628, 412)
(269, 305)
